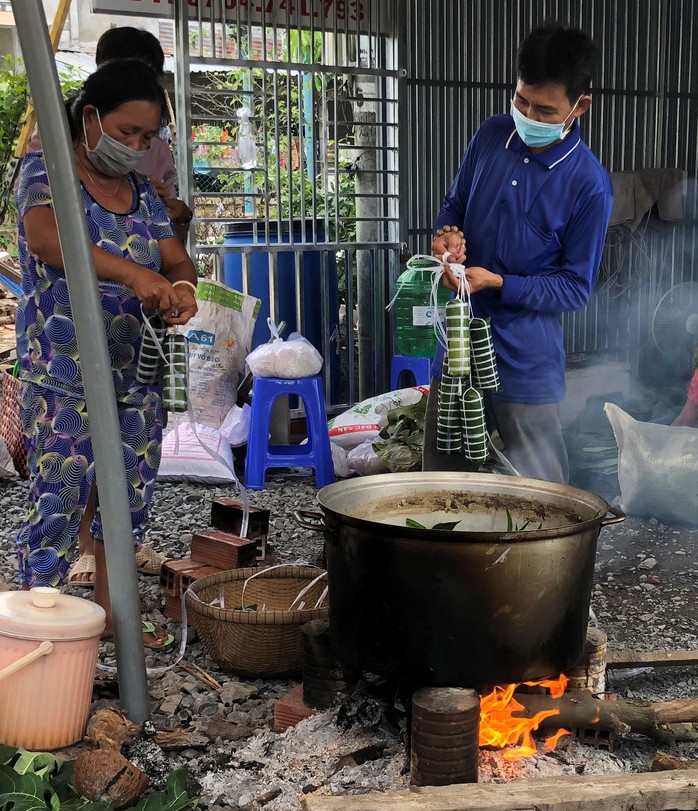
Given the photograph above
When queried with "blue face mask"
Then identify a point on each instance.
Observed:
(538, 133)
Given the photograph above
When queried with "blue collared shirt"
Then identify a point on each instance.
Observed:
(538, 220)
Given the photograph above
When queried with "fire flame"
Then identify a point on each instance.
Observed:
(499, 727)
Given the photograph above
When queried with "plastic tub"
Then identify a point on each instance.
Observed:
(48, 651)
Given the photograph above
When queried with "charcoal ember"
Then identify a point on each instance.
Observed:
(149, 757)
(375, 701)
(359, 710)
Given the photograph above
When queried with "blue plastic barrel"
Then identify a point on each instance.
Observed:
(242, 232)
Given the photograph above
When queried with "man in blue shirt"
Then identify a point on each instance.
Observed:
(529, 207)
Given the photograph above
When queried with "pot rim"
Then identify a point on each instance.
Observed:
(332, 492)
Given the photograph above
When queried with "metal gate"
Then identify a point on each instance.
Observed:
(307, 217)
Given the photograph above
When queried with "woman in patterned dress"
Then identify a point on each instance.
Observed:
(140, 265)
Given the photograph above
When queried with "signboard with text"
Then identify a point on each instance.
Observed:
(364, 16)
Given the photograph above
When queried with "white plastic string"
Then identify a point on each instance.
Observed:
(159, 671)
(153, 672)
(321, 598)
(273, 329)
(502, 458)
(307, 588)
(252, 577)
(192, 423)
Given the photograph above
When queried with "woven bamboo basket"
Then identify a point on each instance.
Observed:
(267, 639)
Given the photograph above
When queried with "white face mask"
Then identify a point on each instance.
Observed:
(109, 156)
(538, 133)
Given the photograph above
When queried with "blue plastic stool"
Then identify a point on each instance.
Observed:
(315, 453)
(418, 366)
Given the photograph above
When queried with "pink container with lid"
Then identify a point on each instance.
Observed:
(48, 651)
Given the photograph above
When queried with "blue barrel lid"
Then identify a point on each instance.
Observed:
(250, 227)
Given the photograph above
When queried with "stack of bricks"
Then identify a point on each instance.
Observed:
(215, 550)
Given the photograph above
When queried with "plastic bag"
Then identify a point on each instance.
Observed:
(236, 425)
(339, 462)
(657, 468)
(364, 460)
(295, 357)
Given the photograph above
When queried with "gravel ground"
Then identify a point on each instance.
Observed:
(645, 597)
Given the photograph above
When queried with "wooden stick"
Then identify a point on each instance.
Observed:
(581, 709)
(675, 790)
(55, 32)
(651, 658)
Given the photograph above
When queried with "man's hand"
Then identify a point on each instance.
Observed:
(177, 210)
(480, 279)
(449, 240)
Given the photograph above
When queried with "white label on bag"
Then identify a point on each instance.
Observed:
(423, 316)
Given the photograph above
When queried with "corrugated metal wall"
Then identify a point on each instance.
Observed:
(459, 59)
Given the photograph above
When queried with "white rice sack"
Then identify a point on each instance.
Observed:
(220, 337)
(184, 458)
(366, 420)
(657, 468)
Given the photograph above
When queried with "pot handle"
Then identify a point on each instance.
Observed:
(310, 519)
(618, 517)
(44, 648)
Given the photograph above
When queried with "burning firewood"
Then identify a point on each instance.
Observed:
(580, 709)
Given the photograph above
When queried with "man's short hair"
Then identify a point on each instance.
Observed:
(127, 42)
(554, 53)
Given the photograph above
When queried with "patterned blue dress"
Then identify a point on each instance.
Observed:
(54, 415)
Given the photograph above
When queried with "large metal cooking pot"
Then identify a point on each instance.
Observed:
(502, 598)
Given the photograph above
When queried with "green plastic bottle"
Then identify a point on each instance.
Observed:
(413, 313)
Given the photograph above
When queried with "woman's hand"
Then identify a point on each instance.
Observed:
(153, 290)
(186, 307)
(449, 240)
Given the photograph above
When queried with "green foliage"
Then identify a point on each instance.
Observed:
(38, 781)
(287, 184)
(14, 94)
(400, 443)
(14, 97)
(512, 526)
(173, 798)
(444, 525)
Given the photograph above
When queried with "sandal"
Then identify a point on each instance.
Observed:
(85, 564)
(148, 561)
(153, 637)
(156, 638)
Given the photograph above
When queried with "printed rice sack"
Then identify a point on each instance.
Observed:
(184, 457)
(220, 336)
(367, 419)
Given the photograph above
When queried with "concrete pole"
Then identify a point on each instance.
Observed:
(94, 356)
